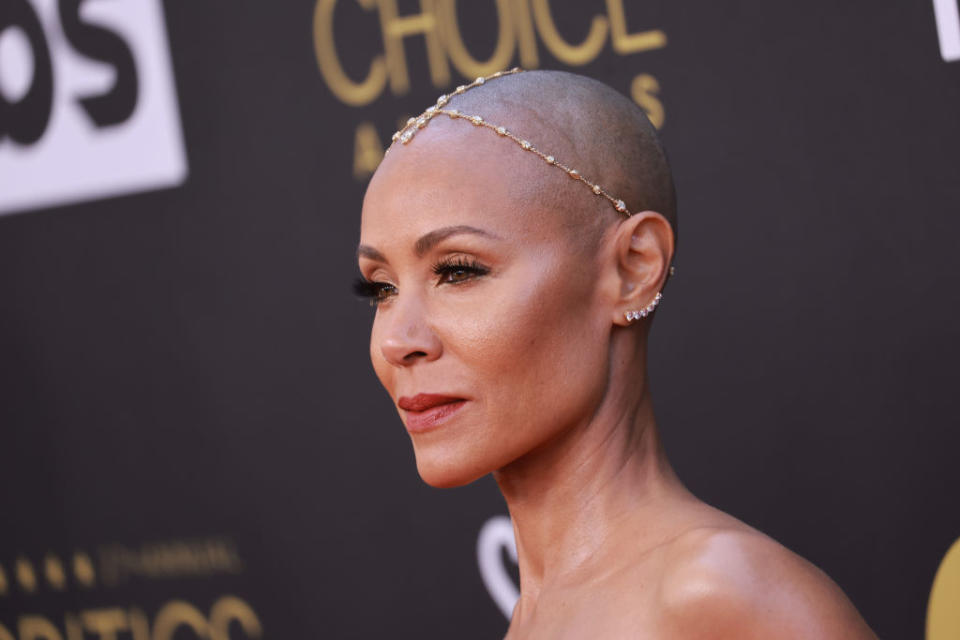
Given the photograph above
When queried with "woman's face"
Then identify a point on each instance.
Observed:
(488, 334)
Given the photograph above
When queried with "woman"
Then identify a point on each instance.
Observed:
(515, 241)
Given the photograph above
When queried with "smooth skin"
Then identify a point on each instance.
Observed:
(531, 333)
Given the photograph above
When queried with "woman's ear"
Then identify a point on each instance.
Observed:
(643, 247)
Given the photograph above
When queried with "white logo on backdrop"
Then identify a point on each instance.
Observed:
(88, 106)
(948, 28)
(496, 536)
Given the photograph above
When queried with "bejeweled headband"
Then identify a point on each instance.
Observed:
(413, 125)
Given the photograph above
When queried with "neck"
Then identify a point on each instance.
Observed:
(571, 499)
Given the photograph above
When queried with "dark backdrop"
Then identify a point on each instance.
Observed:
(189, 414)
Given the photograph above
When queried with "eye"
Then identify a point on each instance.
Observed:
(374, 292)
(456, 270)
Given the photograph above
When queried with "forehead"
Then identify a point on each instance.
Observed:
(453, 174)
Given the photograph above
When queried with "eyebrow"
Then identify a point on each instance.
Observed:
(428, 240)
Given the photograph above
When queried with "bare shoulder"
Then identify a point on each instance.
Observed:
(735, 582)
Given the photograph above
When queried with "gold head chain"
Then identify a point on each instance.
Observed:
(413, 125)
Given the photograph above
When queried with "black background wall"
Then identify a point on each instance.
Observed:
(194, 444)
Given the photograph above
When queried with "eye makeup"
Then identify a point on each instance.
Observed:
(373, 291)
(449, 270)
(456, 269)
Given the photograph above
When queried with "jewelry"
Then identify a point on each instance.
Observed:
(406, 134)
(643, 313)
(413, 125)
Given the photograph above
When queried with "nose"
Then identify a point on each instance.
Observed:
(405, 335)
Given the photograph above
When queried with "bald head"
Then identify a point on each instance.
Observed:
(583, 123)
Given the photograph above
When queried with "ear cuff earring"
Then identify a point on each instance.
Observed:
(643, 313)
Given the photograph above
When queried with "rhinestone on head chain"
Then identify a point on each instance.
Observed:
(406, 134)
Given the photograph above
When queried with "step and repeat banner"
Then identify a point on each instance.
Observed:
(192, 441)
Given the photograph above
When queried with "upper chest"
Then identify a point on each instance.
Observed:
(611, 610)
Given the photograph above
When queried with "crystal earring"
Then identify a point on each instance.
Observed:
(643, 313)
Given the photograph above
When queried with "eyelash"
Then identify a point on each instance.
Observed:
(377, 292)
(374, 292)
(449, 266)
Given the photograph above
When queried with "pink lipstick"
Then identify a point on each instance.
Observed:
(425, 411)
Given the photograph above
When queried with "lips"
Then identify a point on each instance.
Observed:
(425, 411)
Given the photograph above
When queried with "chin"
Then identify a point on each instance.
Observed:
(448, 471)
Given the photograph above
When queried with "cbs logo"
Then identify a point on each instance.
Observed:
(24, 118)
(87, 102)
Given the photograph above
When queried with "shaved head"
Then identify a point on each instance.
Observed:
(586, 125)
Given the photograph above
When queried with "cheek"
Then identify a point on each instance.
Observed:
(537, 351)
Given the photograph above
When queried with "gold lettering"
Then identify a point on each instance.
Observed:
(623, 42)
(462, 60)
(73, 626)
(367, 151)
(25, 575)
(350, 92)
(943, 615)
(83, 569)
(53, 570)
(3, 582)
(227, 609)
(526, 38)
(37, 628)
(139, 625)
(106, 623)
(176, 614)
(644, 90)
(395, 28)
(5, 633)
(565, 52)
